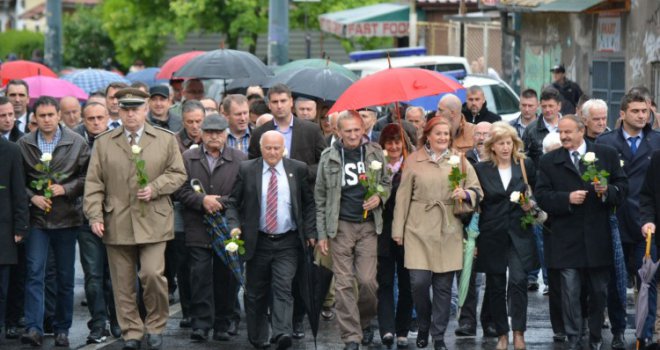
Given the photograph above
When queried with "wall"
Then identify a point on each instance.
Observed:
(643, 41)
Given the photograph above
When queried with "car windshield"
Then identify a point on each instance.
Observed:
(505, 101)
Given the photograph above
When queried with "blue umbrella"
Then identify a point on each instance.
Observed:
(430, 103)
(91, 80)
(620, 272)
(147, 76)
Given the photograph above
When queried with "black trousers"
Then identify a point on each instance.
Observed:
(213, 292)
(177, 270)
(16, 294)
(433, 315)
(499, 292)
(4, 286)
(554, 300)
(271, 268)
(573, 281)
(393, 318)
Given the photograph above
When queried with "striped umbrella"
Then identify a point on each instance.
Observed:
(91, 80)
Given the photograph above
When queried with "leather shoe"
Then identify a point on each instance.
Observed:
(283, 342)
(465, 330)
(422, 339)
(352, 346)
(439, 345)
(185, 322)
(233, 328)
(154, 341)
(265, 345)
(618, 342)
(62, 340)
(199, 335)
(31, 337)
(298, 330)
(131, 344)
(12, 333)
(490, 332)
(387, 340)
(115, 330)
(221, 336)
(367, 335)
(559, 337)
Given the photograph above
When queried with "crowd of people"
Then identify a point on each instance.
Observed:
(133, 175)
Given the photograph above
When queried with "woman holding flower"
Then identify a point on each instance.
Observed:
(425, 225)
(506, 239)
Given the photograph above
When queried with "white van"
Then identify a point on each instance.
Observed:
(455, 66)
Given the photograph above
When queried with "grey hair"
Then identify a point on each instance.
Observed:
(575, 119)
(591, 104)
(474, 89)
(191, 106)
(551, 142)
(415, 108)
(272, 132)
(349, 114)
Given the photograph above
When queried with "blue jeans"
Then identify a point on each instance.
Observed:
(533, 275)
(63, 244)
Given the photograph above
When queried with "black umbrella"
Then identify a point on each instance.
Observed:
(314, 284)
(224, 64)
(318, 83)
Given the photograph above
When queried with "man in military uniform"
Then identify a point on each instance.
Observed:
(135, 221)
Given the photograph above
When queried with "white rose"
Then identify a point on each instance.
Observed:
(231, 247)
(515, 196)
(235, 232)
(197, 188)
(622, 163)
(46, 157)
(385, 153)
(589, 157)
(193, 146)
(136, 149)
(454, 160)
(375, 165)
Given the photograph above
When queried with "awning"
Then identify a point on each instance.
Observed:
(380, 20)
(546, 5)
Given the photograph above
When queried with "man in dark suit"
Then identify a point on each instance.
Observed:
(581, 240)
(303, 139)
(635, 141)
(274, 208)
(18, 93)
(13, 215)
(8, 128)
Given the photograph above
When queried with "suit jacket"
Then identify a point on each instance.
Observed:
(649, 196)
(581, 234)
(635, 167)
(307, 144)
(15, 134)
(111, 186)
(13, 201)
(243, 209)
(499, 221)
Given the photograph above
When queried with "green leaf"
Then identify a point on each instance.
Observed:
(39, 167)
(241, 250)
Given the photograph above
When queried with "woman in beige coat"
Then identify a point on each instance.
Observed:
(424, 222)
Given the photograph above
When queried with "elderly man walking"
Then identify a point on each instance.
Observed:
(135, 221)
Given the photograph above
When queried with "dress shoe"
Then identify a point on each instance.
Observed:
(352, 346)
(154, 341)
(96, 335)
(490, 332)
(387, 340)
(597, 345)
(559, 337)
(465, 330)
(221, 336)
(367, 335)
(402, 343)
(62, 340)
(13, 333)
(131, 344)
(283, 342)
(185, 322)
(264, 345)
(532, 286)
(618, 342)
(199, 335)
(32, 337)
(327, 313)
(298, 330)
(233, 328)
(439, 345)
(115, 330)
(422, 339)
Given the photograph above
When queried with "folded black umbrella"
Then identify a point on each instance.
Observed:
(314, 284)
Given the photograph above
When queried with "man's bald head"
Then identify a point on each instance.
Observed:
(450, 101)
(449, 108)
(481, 134)
(272, 147)
(70, 111)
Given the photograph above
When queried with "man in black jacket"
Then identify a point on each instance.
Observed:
(569, 90)
(8, 128)
(474, 108)
(581, 240)
(541, 127)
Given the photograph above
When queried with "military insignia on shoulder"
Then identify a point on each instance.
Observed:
(163, 129)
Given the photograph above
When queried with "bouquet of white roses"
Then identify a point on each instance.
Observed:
(370, 181)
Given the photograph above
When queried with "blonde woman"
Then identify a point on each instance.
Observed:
(503, 242)
(424, 223)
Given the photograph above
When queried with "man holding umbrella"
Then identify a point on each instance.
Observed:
(273, 207)
(581, 240)
(215, 167)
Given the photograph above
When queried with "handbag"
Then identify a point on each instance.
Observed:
(464, 209)
(539, 215)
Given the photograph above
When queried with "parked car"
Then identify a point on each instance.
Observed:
(455, 66)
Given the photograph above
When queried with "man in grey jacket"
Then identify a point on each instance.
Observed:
(352, 228)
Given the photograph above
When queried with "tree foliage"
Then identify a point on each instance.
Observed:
(86, 44)
(21, 43)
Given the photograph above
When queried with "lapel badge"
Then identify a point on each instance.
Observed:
(290, 175)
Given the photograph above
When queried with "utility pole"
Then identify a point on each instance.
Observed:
(278, 32)
(412, 24)
(53, 42)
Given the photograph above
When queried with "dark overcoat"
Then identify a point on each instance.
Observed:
(13, 201)
(581, 234)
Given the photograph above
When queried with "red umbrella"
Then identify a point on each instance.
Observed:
(175, 63)
(23, 69)
(394, 85)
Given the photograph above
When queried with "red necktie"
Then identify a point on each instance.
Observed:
(271, 203)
